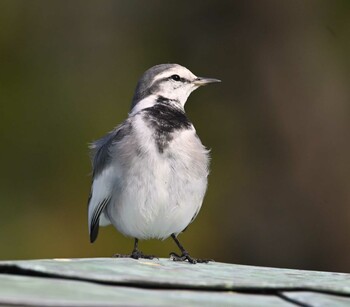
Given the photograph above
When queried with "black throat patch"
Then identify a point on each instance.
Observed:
(165, 118)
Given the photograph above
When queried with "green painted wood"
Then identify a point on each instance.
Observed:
(37, 291)
(318, 299)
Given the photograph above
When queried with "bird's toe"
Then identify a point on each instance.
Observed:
(186, 256)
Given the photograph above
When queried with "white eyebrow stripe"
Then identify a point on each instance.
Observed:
(183, 74)
(164, 74)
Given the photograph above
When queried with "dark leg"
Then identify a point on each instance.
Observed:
(136, 253)
(184, 254)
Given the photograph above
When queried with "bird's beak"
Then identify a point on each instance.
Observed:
(200, 81)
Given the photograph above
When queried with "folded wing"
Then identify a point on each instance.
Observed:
(106, 177)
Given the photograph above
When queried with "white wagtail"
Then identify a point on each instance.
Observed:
(150, 173)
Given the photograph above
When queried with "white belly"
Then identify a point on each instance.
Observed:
(161, 192)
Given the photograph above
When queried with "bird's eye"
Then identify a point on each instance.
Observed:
(175, 77)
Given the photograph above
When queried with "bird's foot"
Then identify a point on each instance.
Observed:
(186, 256)
(136, 254)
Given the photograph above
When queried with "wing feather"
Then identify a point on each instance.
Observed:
(106, 174)
(94, 225)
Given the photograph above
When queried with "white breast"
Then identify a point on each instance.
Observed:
(160, 192)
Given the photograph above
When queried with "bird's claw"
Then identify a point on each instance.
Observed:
(136, 255)
(186, 256)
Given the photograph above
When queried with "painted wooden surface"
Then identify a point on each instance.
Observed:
(128, 282)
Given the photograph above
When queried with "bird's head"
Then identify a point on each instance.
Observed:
(171, 81)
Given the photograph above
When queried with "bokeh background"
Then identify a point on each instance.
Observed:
(278, 125)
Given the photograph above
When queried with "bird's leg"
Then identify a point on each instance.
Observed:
(184, 254)
(136, 253)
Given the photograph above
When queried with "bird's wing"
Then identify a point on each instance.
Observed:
(106, 176)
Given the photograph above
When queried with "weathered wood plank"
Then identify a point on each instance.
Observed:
(169, 274)
(128, 282)
(38, 291)
(318, 299)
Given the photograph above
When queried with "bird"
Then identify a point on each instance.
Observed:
(150, 173)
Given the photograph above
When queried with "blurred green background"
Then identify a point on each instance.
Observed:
(278, 125)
